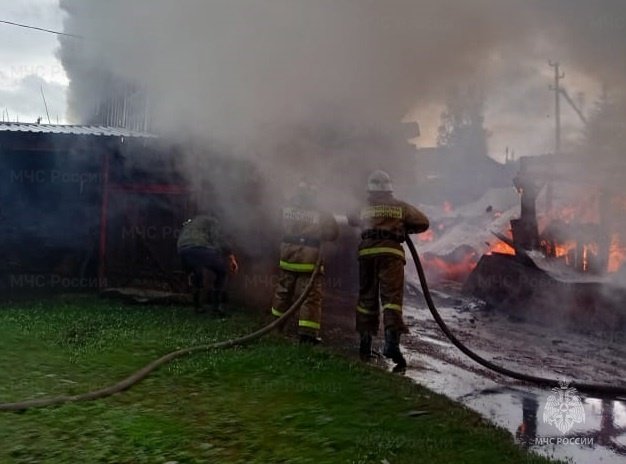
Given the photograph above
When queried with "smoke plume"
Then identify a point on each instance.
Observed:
(318, 88)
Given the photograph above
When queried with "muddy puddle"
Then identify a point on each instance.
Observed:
(599, 433)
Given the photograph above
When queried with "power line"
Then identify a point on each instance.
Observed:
(26, 26)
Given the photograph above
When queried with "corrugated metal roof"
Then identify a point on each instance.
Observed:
(72, 129)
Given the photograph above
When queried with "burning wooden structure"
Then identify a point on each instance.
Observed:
(569, 245)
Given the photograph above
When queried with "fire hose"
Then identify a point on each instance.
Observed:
(592, 389)
(142, 373)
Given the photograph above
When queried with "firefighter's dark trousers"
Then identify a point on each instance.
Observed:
(381, 279)
(288, 288)
(196, 259)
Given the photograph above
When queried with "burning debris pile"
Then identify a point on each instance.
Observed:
(582, 220)
(553, 246)
(579, 234)
(459, 236)
(568, 258)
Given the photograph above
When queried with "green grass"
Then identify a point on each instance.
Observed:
(271, 402)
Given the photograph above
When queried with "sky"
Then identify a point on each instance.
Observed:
(28, 62)
(519, 108)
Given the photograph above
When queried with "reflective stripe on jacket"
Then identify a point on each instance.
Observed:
(386, 219)
(303, 230)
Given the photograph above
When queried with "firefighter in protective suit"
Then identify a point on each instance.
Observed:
(385, 222)
(305, 227)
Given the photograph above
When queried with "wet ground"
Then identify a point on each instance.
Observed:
(548, 350)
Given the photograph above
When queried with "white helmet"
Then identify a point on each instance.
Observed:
(306, 194)
(379, 181)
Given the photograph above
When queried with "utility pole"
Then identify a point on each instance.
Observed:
(556, 88)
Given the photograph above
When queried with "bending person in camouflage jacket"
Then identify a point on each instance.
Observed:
(202, 245)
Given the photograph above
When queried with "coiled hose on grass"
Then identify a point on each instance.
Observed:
(591, 389)
(142, 373)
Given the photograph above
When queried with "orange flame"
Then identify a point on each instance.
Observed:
(502, 248)
(564, 249)
(582, 256)
(590, 251)
(617, 254)
(427, 236)
(454, 267)
(440, 269)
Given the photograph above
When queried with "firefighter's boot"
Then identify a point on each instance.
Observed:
(198, 295)
(218, 299)
(365, 347)
(392, 350)
(310, 339)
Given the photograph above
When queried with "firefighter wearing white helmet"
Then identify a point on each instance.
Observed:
(379, 181)
(305, 227)
(384, 222)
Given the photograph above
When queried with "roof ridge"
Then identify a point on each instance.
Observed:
(74, 129)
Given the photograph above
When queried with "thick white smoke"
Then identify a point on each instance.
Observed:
(318, 87)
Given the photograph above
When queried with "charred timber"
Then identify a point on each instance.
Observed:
(517, 286)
